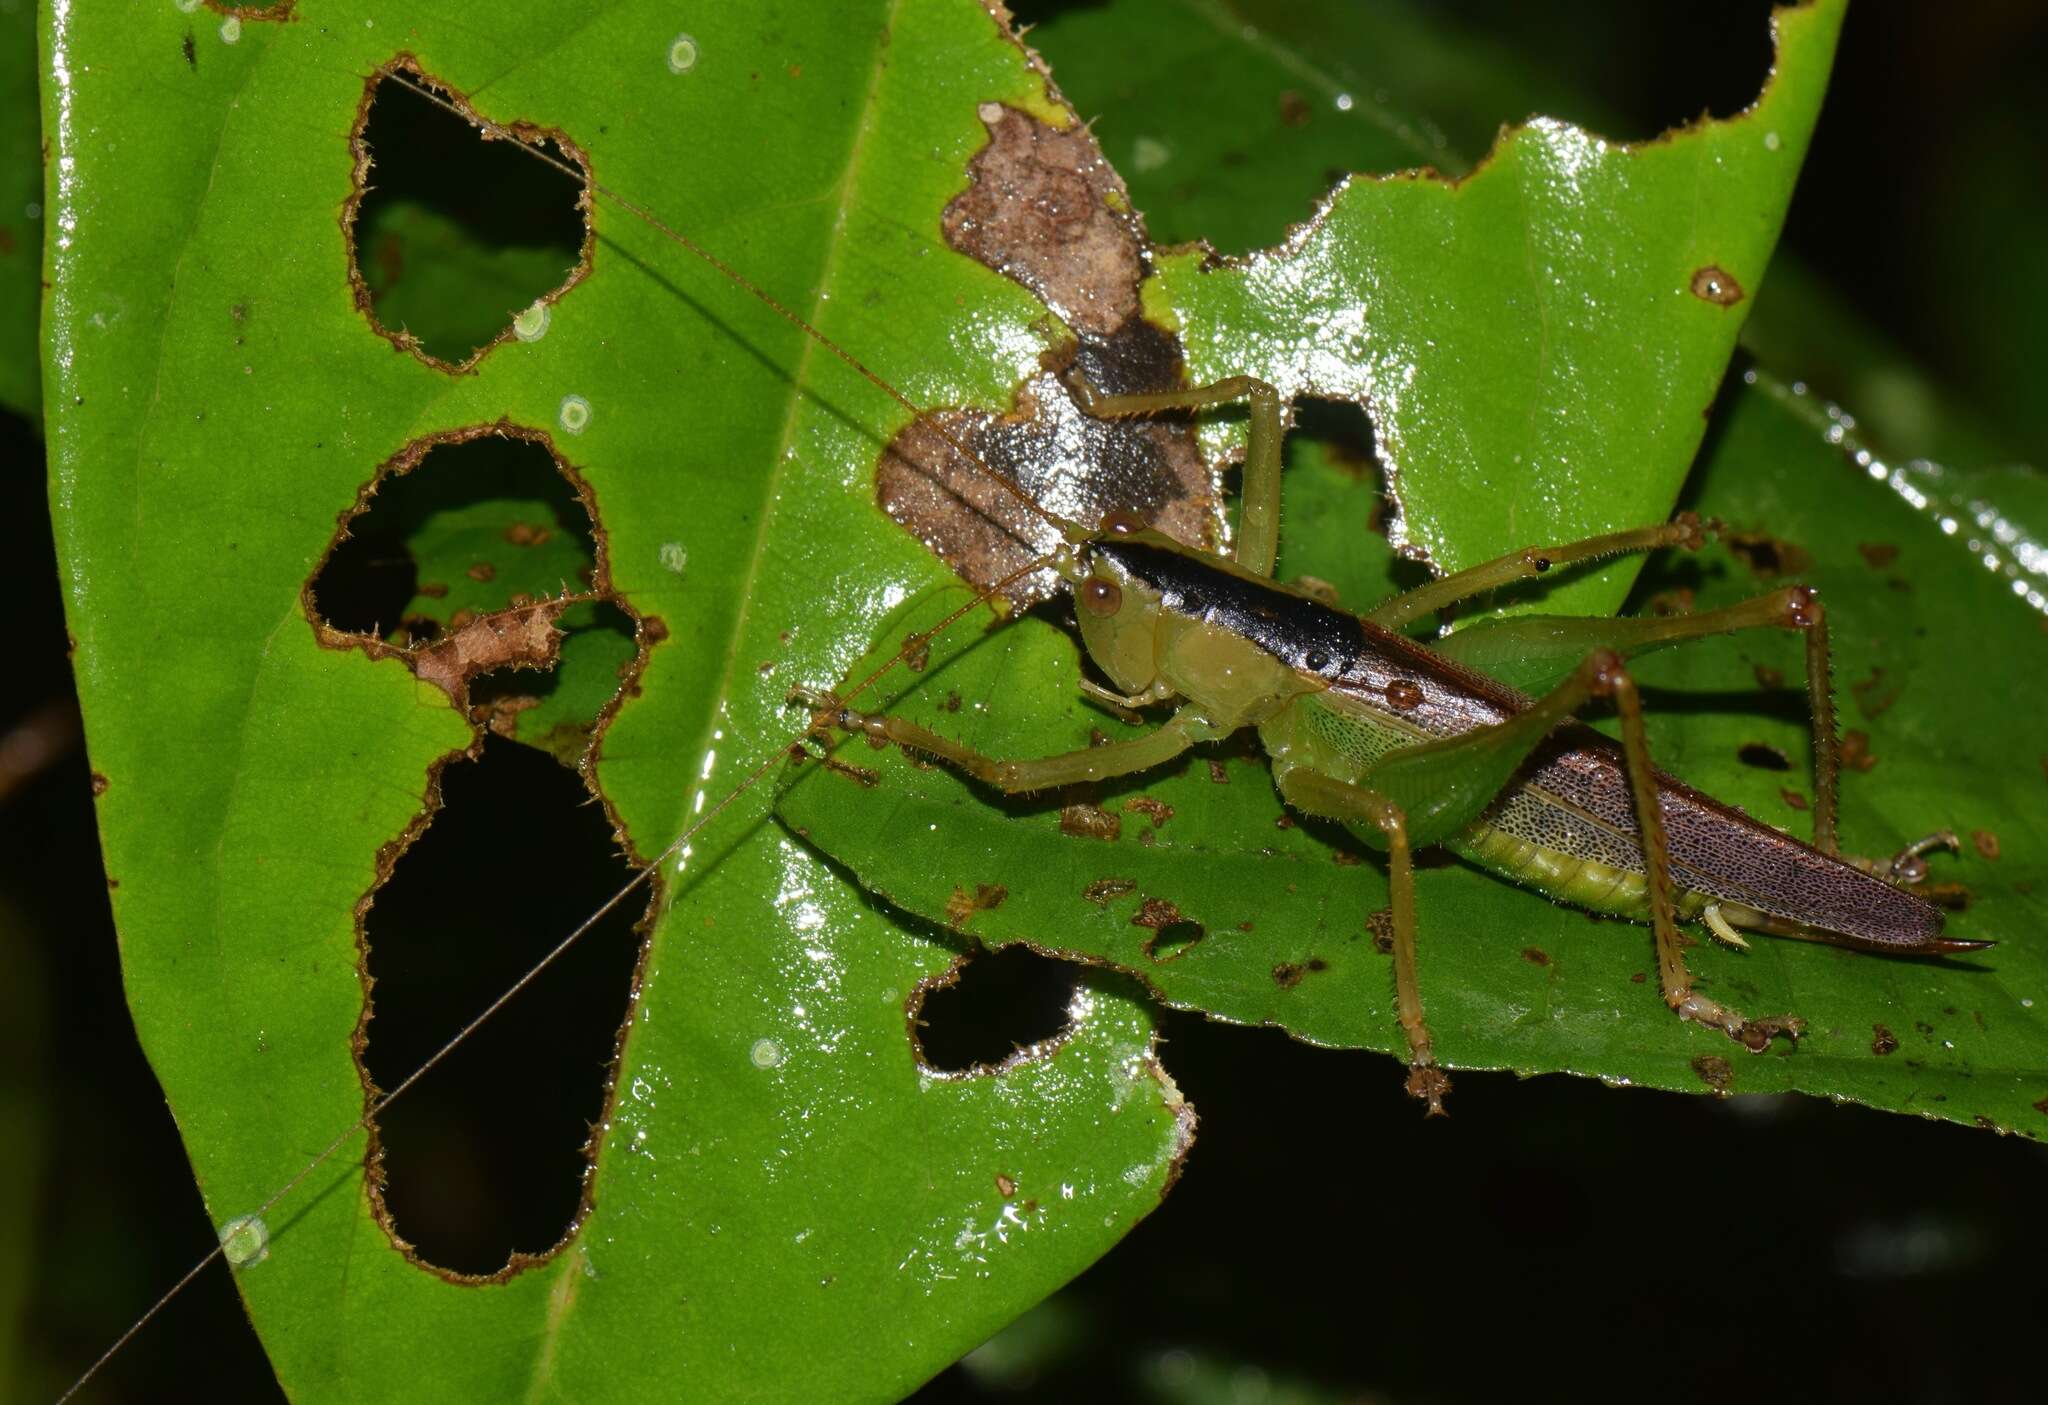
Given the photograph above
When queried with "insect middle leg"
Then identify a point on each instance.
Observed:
(1511, 648)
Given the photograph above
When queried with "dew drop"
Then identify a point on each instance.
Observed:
(1149, 154)
(532, 324)
(574, 414)
(674, 557)
(766, 1053)
(682, 54)
(245, 1240)
(1772, 141)
(231, 29)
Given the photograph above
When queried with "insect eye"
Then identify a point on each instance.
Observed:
(1101, 597)
(1123, 524)
(1317, 660)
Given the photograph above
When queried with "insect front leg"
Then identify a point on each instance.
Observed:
(1017, 777)
(1258, 526)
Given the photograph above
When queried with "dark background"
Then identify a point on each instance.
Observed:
(1543, 1241)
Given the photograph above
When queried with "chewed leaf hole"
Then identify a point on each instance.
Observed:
(457, 239)
(477, 558)
(486, 1158)
(467, 529)
(995, 1006)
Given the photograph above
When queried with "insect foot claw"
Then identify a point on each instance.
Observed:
(1429, 1083)
(1753, 1035)
(1756, 1035)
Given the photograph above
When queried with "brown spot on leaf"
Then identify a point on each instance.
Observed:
(1380, 926)
(481, 571)
(99, 783)
(1766, 555)
(527, 534)
(1878, 554)
(1872, 697)
(1716, 285)
(1793, 798)
(1768, 677)
(1156, 913)
(1045, 210)
(1089, 821)
(1103, 891)
(1006, 1186)
(434, 590)
(1883, 1041)
(1535, 956)
(1714, 1071)
(1158, 811)
(1217, 772)
(1985, 841)
(1294, 109)
(962, 905)
(934, 480)
(1287, 975)
(1855, 751)
(1676, 601)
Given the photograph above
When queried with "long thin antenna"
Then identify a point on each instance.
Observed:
(819, 724)
(404, 77)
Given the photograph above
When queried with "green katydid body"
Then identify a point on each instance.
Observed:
(1338, 695)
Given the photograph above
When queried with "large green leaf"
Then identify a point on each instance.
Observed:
(1283, 934)
(784, 1202)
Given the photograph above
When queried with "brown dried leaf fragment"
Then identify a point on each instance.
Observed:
(1156, 913)
(1158, 811)
(521, 637)
(1103, 891)
(1086, 821)
(1043, 208)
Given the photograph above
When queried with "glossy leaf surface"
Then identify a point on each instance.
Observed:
(784, 1203)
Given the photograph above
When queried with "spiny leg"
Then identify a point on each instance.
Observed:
(1313, 793)
(1532, 651)
(1442, 786)
(1014, 777)
(1672, 976)
(1258, 526)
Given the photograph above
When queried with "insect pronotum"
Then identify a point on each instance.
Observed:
(1374, 731)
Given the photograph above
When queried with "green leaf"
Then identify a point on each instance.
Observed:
(1511, 980)
(21, 211)
(785, 1203)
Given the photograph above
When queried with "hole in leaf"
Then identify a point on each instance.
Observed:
(466, 529)
(477, 559)
(996, 1004)
(485, 1158)
(1338, 515)
(454, 236)
(1763, 757)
